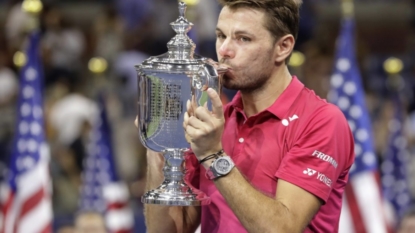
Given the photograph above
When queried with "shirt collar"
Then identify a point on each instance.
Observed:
(280, 107)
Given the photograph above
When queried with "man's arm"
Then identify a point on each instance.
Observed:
(289, 211)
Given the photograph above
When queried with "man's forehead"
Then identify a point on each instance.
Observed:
(240, 17)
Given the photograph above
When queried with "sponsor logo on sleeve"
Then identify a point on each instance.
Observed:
(309, 172)
(323, 178)
(320, 176)
(325, 157)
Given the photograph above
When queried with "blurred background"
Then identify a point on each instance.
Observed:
(90, 47)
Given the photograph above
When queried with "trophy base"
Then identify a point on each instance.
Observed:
(168, 197)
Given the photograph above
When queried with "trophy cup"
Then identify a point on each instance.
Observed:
(165, 83)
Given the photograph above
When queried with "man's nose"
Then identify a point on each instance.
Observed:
(226, 49)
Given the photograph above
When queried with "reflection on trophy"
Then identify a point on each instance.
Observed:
(165, 83)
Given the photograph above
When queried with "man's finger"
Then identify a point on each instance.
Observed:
(136, 121)
(217, 107)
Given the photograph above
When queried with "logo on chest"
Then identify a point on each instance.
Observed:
(286, 122)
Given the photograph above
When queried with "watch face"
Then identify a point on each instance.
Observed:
(222, 166)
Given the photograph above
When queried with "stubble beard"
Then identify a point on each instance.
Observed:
(249, 80)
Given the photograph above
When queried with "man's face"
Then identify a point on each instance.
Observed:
(246, 47)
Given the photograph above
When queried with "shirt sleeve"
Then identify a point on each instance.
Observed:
(192, 166)
(320, 153)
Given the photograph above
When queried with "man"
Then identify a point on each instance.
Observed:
(90, 222)
(292, 150)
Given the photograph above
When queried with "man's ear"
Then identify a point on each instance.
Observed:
(283, 48)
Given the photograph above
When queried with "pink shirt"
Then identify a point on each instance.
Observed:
(301, 139)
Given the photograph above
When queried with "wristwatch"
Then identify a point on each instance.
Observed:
(221, 166)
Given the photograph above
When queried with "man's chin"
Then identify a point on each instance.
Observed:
(228, 84)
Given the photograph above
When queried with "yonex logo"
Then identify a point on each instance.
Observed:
(309, 172)
(323, 178)
(285, 122)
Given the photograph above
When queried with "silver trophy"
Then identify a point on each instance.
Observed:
(165, 83)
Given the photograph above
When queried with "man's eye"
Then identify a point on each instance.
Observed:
(221, 36)
(244, 39)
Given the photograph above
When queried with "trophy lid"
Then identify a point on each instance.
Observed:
(180, 49)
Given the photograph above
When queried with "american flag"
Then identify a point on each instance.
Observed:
(362, 209)
(27, 207)
(102, 190)
(394, 171)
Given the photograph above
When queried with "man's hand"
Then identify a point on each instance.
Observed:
(203, 128)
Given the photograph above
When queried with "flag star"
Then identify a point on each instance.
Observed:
(362, 135)
(25, 109)
(28, 162)
(28, 92)
(21, 146)
(387, 167)
(24, 162)
(355, 111)
(388, 180)
(352, 125)
(349, 88)
(104, 164)
(103, 177)
(369, 158)
(37, 112)
(343, 64)
(23, 127)
(400, 142)
(32, 146)
(35, 128)
(97, 191)
(403, 199)
(357, 149)
(343, 103)
(400, 186)
(336, 80)
(31, 74)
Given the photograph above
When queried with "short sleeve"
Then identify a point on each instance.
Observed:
(322, 151)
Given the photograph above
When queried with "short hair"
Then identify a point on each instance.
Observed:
(282, 16)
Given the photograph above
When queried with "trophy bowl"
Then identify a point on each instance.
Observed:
(165, 83)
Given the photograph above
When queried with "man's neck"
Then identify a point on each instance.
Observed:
(259, 100)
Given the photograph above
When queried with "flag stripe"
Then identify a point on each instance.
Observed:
(367, 191)
(31, 202)
(36, 220)
(356, 216)
(346, 216)
(47, 229)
